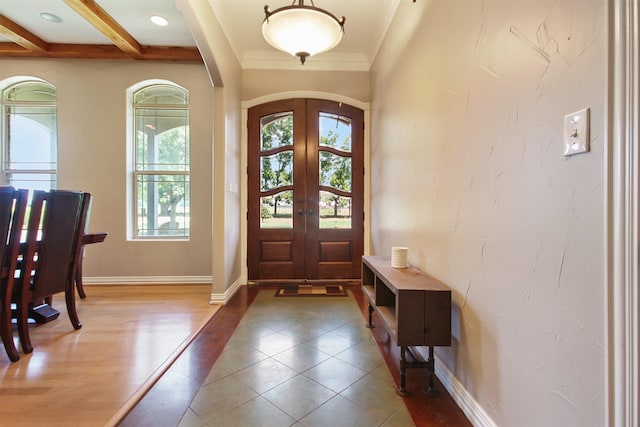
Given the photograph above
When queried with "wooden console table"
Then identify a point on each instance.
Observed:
(413, 307)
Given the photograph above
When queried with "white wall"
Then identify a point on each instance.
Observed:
(260, 83)
(92, 157)
(468, 100)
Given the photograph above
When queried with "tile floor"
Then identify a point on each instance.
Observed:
(312, 364)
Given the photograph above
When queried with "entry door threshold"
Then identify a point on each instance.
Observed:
(303, 281)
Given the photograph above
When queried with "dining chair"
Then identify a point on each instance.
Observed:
(13, 205)
(50, 255)
(87, 239)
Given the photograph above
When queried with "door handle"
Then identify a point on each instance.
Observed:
(301, 212)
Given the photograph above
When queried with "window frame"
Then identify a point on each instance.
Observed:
(5, 170)
(134, 232)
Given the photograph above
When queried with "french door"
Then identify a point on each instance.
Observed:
(305, 190)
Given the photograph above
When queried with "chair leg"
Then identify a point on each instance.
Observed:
(79, 284)
(6, 331)
(23, 326)
(70, 297)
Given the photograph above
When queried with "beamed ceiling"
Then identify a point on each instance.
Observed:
(121, 29)
(24, 40)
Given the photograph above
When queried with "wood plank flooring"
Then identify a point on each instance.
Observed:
(93, 376)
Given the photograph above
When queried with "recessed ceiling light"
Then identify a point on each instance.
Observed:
(159, 20)
(50, 17)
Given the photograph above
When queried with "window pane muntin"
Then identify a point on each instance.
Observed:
(335, 211)
(277, 211)
(32, 180)
(276, 130)
(167, 151)
(161, 95)
(32, 138)
(29, 138)
(161, 151)
(335, 171)
(162, 139)
(165, 112)
(276, 170)
(335, 131)
(162, 205)
(31, 92)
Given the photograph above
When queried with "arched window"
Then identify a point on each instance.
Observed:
(160, 170)
(29, 134)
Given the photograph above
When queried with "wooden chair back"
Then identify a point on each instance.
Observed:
(51, 240)
(13, 205)
(53, 243)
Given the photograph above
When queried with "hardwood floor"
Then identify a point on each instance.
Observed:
(93, 376)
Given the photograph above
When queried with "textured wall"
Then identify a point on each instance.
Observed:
(468, 101)
(258, 83)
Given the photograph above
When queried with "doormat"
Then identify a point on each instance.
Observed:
(311, 291)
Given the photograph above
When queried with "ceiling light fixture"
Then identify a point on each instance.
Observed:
(301, 30)
(160, 21)
(50, 17)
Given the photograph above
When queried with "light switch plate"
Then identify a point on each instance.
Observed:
(576, 132)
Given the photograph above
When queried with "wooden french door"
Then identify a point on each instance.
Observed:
(305, 190)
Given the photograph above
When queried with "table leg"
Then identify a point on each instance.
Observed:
(402, 390)
(431, 366)
(370, 324)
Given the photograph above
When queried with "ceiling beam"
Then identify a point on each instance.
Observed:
(28, 45)
(104, 23)
(22, 36)
(85, 51)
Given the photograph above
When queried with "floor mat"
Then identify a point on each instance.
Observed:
(311, 291)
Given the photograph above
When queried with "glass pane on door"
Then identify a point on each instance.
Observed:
(276, 171)
(335, 171)
(335, 211)
(335, 131)
(276, 130)
(277, 211)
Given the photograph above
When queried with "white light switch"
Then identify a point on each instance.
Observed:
(576, 132)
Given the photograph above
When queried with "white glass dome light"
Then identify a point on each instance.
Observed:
(301, 30)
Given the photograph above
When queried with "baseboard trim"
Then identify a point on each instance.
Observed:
(471, 408)
(216, 297)
(146, 280)
(223, 298)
